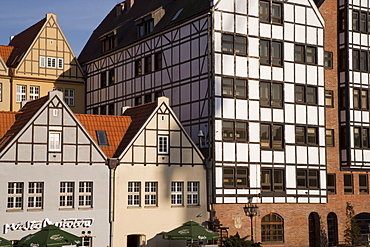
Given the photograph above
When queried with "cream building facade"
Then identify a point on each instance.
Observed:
(39, 60)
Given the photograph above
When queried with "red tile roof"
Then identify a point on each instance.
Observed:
(115, 128)
(139, 115)
(7, 118)
(22, 43)
(5, 52)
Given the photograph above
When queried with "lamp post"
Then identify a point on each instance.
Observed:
(251, 210)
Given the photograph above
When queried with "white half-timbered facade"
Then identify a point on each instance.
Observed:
(52, 173)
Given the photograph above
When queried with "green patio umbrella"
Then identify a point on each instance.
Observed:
(5, 243)
(191, 231)
(50, 236)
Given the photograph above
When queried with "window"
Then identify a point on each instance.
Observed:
(157, 95)
(103, 110)
(272, 228)
(361, 137)
(342, 57)
(148, 98)
(158, 61)
(147, 64)
(343, 137)
(145, 26)
(109, 42)
(69, 97)
(21, 93)
(360, 99)
(271, 136)
(305, 94)
(363, 183)
(42, 62)
(329, 137)
(235, 177)
(330, 183)
(329, 102)
(234, 88)
(163, 144)
(193, 193)
(363, 61)
(34, 92)
(272, 180)
(270, 52)
(357, 137)
(151, 189)
(348, 183)
(85, 194)
(86, 241)
(342, 19)
(305, 54)
(234, 45)
(60, 63)
(300, 135)
(51, 62)
(312, 136)
(103, 79)
(54, 141)
(102, 137)
(138, 67)
(134, 194)
(355, 21)
(234, 131)
(328, 59)
(112, 77)
(15, 195)
(35, 195)
(66, 194)
(365, 137)
(356, 98)
(271, 94)
(308, 179)
(111, 109)
(360, 60)
(364, 99)
(138, 100)
(274, 14)
(177, 189)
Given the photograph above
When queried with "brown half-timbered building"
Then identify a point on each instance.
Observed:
(36, 61)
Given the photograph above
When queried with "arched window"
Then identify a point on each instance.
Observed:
(332, 229)
(272, 226)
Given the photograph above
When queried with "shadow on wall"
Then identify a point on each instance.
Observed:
(159, 241)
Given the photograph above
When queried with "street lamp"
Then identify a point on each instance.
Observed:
(251, 210)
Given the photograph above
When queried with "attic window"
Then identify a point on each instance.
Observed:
(109, 40)
(145, 27)
(102, 137)
(177, 14)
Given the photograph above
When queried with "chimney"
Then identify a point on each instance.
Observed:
(129, 4)
(119, 8)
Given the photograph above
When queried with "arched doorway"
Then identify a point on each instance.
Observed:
(363, 221)
(332, 229)
(314, 229)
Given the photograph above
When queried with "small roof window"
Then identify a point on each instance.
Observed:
(177, 14)
(102, 137)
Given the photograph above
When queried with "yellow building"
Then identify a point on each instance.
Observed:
(39, 60)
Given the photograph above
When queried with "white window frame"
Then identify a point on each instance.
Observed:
(35, 195)
(163, 144)
(55, 141)
(193, 194)
(60, 63)
(85, 192)
(133, 194)
(34, 92)
(21, 93)
(51, 62)
(42, 62)
(66, 196)
(15, 196)
(69, 97)
(86, 241)
(150, 194)
(177, 193)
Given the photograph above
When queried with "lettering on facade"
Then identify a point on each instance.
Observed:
(38, 224)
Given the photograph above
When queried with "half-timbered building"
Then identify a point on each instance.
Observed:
(246, 79)
(36, 61)
(52, 172)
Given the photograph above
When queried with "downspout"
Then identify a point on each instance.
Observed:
(11, 75)
(112, 164)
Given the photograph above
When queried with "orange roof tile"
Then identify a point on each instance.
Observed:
(5, 52)
(115, 128)
(7, 118)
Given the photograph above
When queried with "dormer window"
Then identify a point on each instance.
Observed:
(145, 27)
(109, 40)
